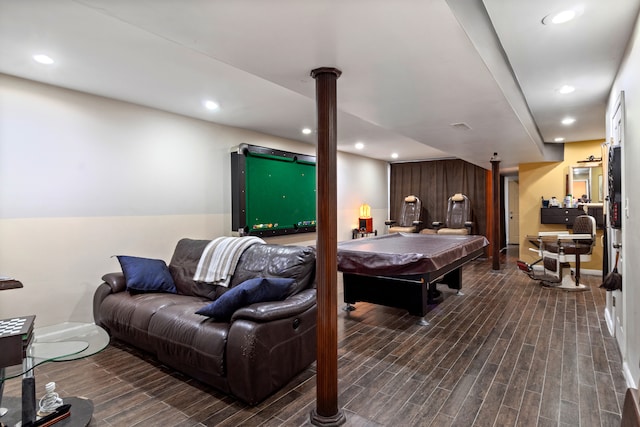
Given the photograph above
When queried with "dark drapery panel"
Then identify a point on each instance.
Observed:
(434, 182)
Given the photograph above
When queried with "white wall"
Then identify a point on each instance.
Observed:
(83, 178)
(627, 81)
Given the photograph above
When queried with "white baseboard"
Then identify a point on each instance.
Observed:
(609, 320)
(627, 376)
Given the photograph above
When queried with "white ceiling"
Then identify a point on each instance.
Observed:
(410, 68)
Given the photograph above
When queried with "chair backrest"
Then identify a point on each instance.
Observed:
(458, 211)
(410, 211)
(585, 224)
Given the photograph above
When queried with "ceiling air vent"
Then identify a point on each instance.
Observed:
(460, 126)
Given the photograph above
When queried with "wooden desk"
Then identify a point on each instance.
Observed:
(9, 284)
(15, 337)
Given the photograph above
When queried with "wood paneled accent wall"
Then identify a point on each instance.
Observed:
(434, 182)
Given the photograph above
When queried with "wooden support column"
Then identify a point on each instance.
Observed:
(327, 412)
(495, 216)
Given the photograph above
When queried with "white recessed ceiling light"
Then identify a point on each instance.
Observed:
(394, 155)
(566, 89)
(562, 16)
(359, 145)
(211, 105)
(568, 121)
(306, 131)
(558, 139)
(43, 59)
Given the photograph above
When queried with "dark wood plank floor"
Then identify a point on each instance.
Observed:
(507, 353)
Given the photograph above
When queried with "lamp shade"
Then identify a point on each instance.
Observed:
(365, 211)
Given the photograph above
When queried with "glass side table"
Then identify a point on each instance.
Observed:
(57, 343)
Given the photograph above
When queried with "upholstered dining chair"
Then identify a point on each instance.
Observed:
(409, 221)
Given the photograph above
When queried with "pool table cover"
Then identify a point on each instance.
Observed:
(401, 254)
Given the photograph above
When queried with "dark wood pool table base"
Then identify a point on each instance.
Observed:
(413, 293)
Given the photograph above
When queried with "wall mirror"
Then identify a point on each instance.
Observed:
(586, 182)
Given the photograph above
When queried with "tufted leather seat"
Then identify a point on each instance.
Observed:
(458, 219)
(409, 221)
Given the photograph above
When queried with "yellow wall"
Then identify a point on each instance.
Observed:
(549, 179)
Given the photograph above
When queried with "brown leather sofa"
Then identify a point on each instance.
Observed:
(258, 351)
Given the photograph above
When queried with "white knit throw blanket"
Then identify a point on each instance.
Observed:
(220, 257)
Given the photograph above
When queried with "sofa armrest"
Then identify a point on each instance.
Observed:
(263, 355)
(274, 310)
(116, 281)
(112, 283)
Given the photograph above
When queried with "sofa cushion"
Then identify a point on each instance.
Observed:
(127, 316)
(271, 260)
(146, 275)
(183, 267)
(258, 289)
(187, 341)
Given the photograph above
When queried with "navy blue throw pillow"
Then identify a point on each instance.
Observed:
(146, 275)
(258, 289)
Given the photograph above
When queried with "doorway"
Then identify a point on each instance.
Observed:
(615, 304)
(512, 208)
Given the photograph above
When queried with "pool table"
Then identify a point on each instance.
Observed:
(401, 269)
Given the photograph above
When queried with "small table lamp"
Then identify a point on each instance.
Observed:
(365, 222)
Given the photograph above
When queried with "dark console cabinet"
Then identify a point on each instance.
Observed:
(560, 215)
(566, 216)
(598, 213)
